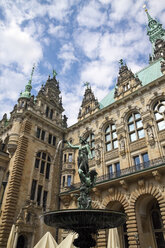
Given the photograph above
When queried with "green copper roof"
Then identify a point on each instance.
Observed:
(150, 73)
(154, 29)
(146, 76)
(28, 87)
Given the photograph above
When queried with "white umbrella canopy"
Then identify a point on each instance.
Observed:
(68, 241)
(113, 238)
(10, 242)
(47, 241)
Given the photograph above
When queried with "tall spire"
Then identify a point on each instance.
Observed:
(154, 29)
(28, 87)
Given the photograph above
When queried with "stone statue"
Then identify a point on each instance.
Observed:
(150, 132)
(87, 178)
(122, 143)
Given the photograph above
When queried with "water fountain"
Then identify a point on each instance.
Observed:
(85, 221)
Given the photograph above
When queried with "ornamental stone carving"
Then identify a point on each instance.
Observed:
(150, 134)
(137, 145)
(122, 145)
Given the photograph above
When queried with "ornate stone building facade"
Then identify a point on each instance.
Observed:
(126, 132)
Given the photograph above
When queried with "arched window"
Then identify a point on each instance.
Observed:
(42, 162)
(47, 111)
(91, 141)
(157, 226)
(159, 112)
(135, 127)
(111, 137)
(22, 241)
(51, 114)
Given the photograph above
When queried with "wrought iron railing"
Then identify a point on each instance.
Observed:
(125, 172)
(133, 169)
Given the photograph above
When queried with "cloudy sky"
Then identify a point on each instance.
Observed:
(83, 40)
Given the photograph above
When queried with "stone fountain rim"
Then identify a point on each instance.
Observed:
(85, 210)
(74, 219)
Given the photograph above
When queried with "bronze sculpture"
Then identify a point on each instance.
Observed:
(87, 178)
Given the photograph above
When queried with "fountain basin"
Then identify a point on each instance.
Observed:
(74, 219)
(84, 222)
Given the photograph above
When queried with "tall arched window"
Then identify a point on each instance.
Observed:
(135, 127)
(111, 137)
(157, 226)
(159, 112)
(91, 141)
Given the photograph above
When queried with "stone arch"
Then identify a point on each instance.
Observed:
(128, 112)
(154, 99)
(117, 196)
(132, 221)
(22, 241)
(155, 192)
(106, 121)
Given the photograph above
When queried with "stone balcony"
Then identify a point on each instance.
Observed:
(152, 167)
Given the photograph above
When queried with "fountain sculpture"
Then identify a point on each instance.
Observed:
(85, 221)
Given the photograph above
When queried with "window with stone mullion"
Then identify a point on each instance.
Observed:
(135, 127)
(159, 113)
(43, 163)
(91, 141)
(111, 137)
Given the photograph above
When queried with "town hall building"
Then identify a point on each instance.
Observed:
(126, 134)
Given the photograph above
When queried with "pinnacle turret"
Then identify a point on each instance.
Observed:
(154, 30)
(28, 87)
(89, 104)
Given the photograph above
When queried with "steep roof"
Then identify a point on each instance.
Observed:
(146, 76)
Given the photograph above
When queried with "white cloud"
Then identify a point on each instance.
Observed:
(11, 84)
(88, 41)
(120, 9)
(57, 31)
(60, 9)
(72, 103)
(47, 65)
(67, 55)
(30, 28)
(91, 15)
(105, 1)
(18, 47)
(99, 73)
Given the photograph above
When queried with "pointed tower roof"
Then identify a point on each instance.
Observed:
(28, 87)
(89, 103)
(154, 29)
(51, 92)
(126, 82)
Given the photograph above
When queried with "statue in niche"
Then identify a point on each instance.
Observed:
(122, 143)
(150, 132)
(87, 178)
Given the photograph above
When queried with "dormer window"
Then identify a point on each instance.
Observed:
(87, 109)
(126, 87)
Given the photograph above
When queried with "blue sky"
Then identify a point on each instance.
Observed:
(83, 40)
